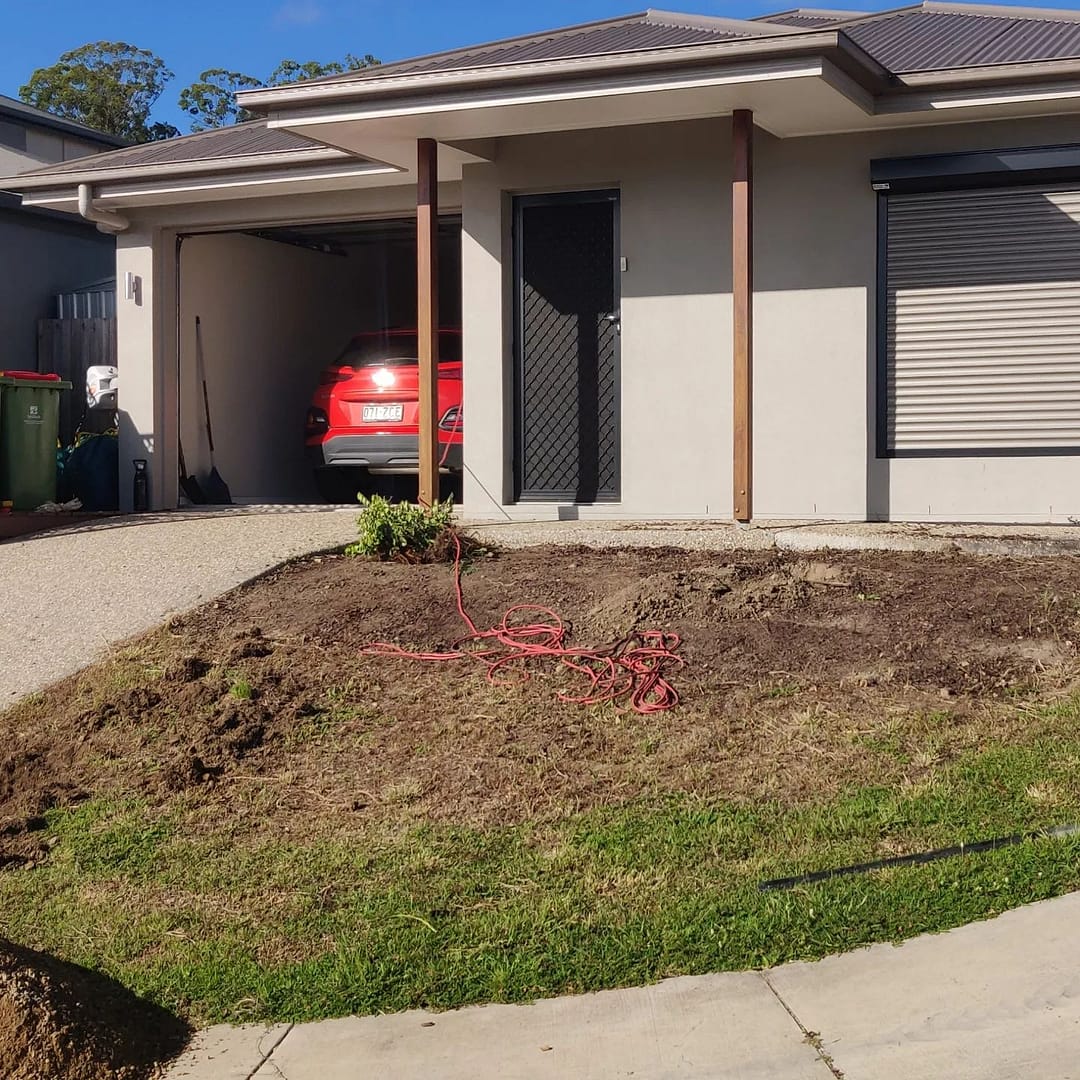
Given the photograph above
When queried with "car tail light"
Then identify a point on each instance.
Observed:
(451, 420)
(453, 373)
(335, 375)
(317, 423)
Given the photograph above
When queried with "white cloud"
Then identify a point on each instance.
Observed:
(299, 13)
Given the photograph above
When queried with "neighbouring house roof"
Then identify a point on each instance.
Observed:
(235, 143)
(22, 113)
(890, 51)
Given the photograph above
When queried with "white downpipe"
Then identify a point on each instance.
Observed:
(106, 220)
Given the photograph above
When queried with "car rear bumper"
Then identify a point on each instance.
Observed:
(377, 452)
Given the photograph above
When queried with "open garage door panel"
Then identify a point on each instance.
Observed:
(275, 309)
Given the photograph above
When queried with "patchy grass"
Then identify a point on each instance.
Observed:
(207, 922)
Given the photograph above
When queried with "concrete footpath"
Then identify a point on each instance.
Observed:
(997, 1000)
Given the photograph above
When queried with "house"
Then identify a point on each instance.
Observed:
(42, 252)
(817, 264)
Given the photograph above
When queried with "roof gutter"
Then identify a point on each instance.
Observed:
(107, 221)
(1028, 72)
(44, 178)
(841, 50)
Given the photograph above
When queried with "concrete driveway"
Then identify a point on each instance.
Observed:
(71, 594)
(997, 1000)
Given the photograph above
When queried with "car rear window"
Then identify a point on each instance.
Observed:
(382, 350)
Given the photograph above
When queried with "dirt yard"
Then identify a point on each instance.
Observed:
(803, 676)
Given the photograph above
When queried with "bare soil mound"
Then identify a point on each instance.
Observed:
(708, 592)
(60, 1022)
(264, 705)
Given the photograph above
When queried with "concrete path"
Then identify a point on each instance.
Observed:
(997, 1000)
(68, 595)
(1015, 540)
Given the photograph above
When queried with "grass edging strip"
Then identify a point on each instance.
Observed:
(779, 884)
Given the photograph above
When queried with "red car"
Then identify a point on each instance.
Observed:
(365, 413)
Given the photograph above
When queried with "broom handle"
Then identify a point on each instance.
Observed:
(209, 430)
(202, 374)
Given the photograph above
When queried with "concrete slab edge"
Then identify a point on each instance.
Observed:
(278, 1037)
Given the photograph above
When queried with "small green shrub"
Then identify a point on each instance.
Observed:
(399, 530)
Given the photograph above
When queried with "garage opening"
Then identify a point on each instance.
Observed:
(268, 318)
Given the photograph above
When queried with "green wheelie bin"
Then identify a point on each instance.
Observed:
(29, 426)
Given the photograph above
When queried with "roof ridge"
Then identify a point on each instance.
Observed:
(843, 14)
(687, 21)
(866, 16)
(958, 7)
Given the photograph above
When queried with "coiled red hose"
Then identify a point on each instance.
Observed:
(632, 671)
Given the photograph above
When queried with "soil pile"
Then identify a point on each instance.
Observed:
(60, 1022)
(707, 591)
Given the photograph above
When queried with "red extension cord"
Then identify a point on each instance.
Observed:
(632, 670)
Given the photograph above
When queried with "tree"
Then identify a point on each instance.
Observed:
(107, 85)
(290, 71)
(212, 100)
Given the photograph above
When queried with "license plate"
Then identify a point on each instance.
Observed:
(375, 413)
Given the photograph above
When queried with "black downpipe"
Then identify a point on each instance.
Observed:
(918, 859)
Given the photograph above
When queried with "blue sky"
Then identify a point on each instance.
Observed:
(253, 35)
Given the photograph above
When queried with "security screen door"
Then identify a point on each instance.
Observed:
(567, 346)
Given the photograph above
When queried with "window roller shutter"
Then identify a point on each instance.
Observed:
(983, 320)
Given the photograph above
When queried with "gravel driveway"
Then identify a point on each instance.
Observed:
(68, 595)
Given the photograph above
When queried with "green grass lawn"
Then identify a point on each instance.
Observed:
(224, 927)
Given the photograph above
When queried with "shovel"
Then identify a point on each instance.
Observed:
(214, 488)
(188, 484)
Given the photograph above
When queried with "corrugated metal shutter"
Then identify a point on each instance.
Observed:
(983, 320)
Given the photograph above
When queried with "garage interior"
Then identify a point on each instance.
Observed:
(275, 307)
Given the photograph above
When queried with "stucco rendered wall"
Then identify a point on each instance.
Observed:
(814, 327)
(815, 348)
(675, 362)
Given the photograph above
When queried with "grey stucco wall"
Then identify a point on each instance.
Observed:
(815, 344)
(814, 327)
(39, 257)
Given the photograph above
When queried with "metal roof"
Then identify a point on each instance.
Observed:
(28, 114)
(650, 29)
(237, 141)
(938, 38)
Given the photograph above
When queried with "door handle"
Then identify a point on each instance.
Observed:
(615, 318)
